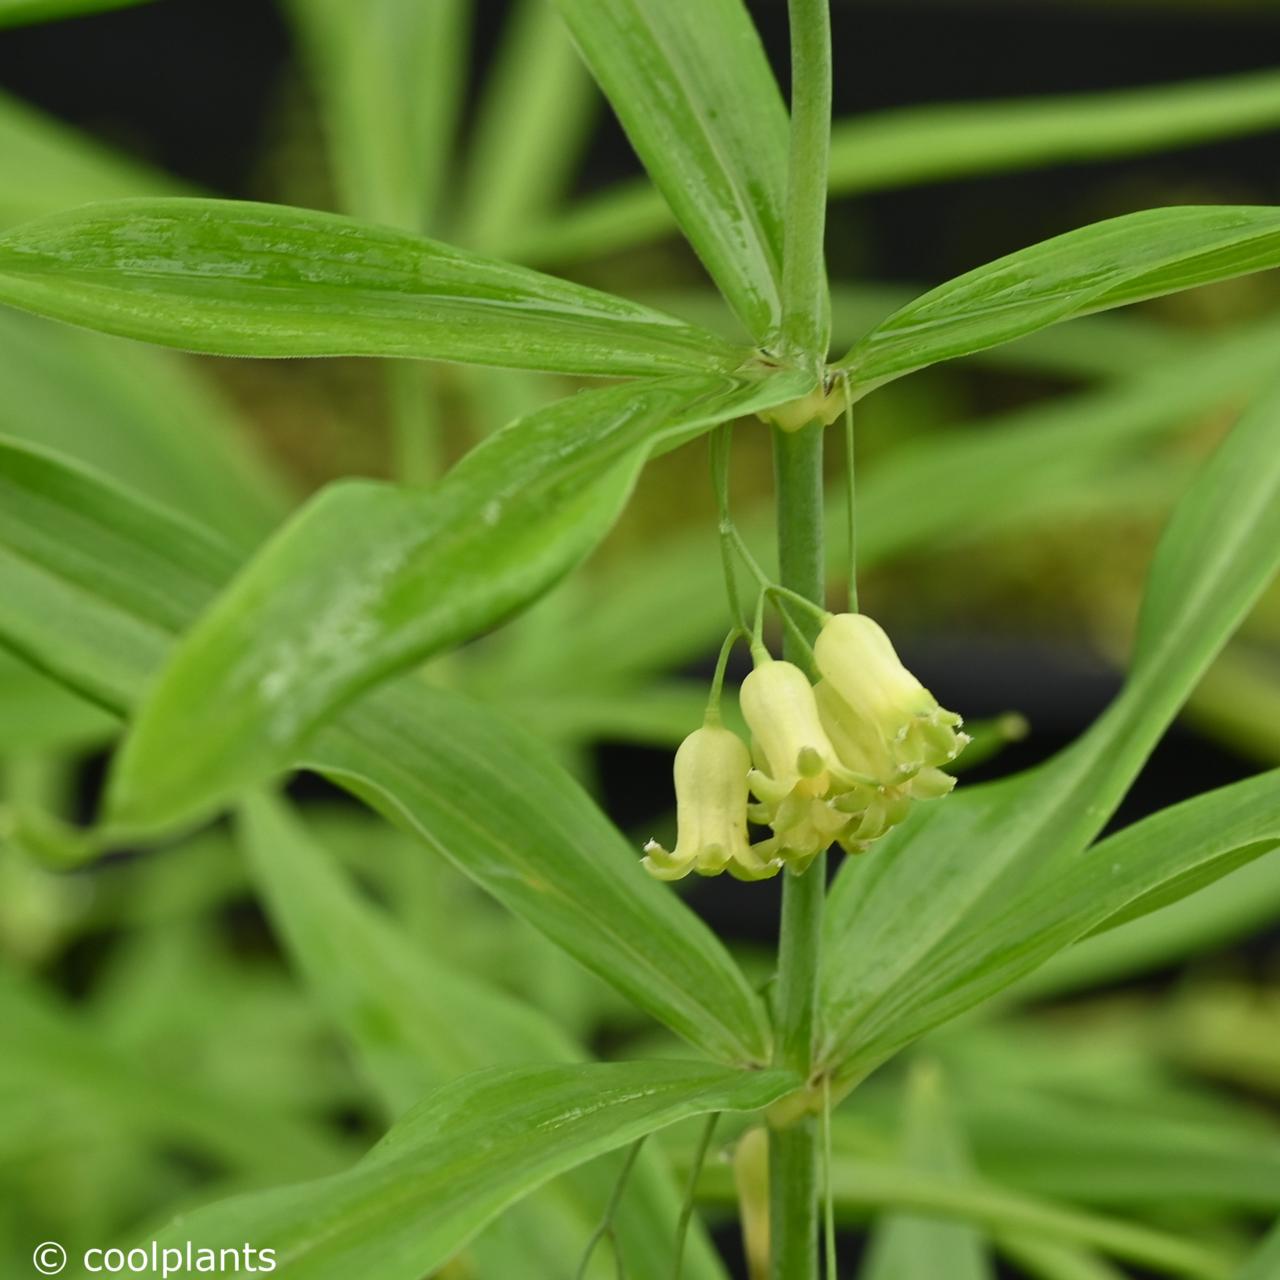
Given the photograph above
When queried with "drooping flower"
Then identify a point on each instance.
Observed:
(711, 770)
(895, 727)
(798, 769)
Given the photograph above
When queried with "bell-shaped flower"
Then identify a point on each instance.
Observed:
(711, 770)
(873, 810)
(794, 756)
(887, 703)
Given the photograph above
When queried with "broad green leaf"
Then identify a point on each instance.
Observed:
(694, 91)
(532, 122)
(1109, 264)
(369, 579)
(389, 77)
(235, 278)
(99, 584)
(1265, 1264)
(901, 147)
(905, 1247)
(142, 416)
(17, 13)
(48, 166)
(418, 1024)
(972, 893)
(463, 1155)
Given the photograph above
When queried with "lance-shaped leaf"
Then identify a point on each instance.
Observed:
(1108, 264)
(906, 1247)
(389, 77)
(242, 279)
(49, 167)
(532, 122)
(693, 89)
(140, 415)
(978, 890)
(904, 146)
(17, 13)
(369, 579)
(98, 584)
(416, 1024)
(463, 1155)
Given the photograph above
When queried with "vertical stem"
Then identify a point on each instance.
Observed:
(794, 1151)
(414, 428)
(806, 318)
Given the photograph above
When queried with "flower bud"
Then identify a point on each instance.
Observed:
(711, 811)
(883, 700)
(795, 756)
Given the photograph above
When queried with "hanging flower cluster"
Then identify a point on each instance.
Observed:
(835, 763)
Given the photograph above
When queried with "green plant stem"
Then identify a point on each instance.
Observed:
(415, 452)
(686, 1209)
(806, 311)
(605, 1229)
(794, 1152)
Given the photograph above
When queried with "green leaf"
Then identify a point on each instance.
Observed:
(85, 1075)
(37, 714)
(234, 278)
(898, 148)
(99, 584)
(418, 1024)
(1226, 911)
(17, 13)
(49, 167)
(486, 797)
(532, 122)
(1265, 1263)
(1129, 1153)
(370, 579)
(1019, 469)
(975, 892)
(388, 74)
(1109, 264)
(905, 1247)
(114, 405)
(415, 1023)
(694, 91)
(1048, 1260)
(862, 1186)
(463, 1155)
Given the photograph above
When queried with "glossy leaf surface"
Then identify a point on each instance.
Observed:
(694, 91)
(234, 278)
(1108, 264)
(99, 584)
(369, 579)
